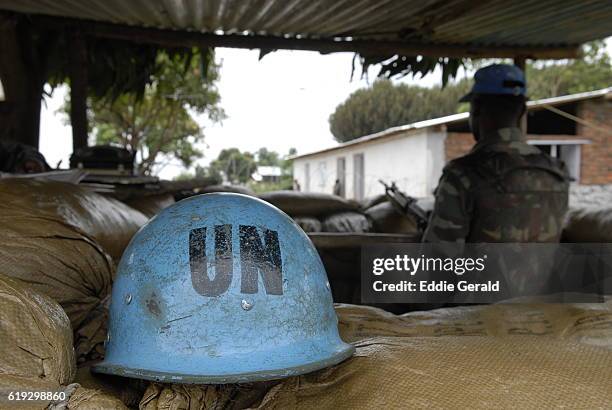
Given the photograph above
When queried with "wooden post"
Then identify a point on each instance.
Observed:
(78, 90)
(22, 81)
(520, 61)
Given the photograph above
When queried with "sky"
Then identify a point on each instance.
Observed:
(279, 102)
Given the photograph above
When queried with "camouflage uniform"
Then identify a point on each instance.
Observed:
(503, 190)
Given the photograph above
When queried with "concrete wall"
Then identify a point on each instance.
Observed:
(413, 160)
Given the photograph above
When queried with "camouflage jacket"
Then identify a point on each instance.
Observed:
(503, 190)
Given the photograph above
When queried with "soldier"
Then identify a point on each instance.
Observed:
(503, 190)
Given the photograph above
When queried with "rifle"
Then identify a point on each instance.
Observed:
(405, 204)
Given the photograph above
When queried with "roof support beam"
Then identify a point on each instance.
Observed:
(174, 38)
(78, 90)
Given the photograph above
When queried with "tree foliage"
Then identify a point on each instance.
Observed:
(159, 125)
(236, 166)
(551, 79)
(267, 157)
(384, 105)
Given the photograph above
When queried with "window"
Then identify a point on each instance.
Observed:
(569, 151)
(358, 177)
(321, 175)
(307, 177)
(340, 185)
(2, 98)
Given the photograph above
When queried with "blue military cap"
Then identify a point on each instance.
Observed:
(498, 79)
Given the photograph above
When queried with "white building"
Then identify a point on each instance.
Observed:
(413, 155)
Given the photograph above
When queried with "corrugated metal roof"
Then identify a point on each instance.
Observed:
(453, 22)
(454, 118)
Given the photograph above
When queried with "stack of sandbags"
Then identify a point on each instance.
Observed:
(588, 225)
(57, 259)
(150, 205)
(316, 212)
(509, 355)
(108, 221)
(455, 372)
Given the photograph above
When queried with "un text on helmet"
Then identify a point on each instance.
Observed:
(257, 256)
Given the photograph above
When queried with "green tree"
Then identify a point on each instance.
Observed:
(384, 105)
(234, 165)
(159, 124)
(266, 157)
(551, 79)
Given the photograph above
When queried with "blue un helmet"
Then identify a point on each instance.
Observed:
(221, 288)
(498, 79)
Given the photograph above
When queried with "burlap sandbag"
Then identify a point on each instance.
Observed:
(588, 323)
(129, 391)
(35, 343)
(109, 221)
(297, 203)
(588, 225)
(373, 200)
(308, 223)
(89, 337)
(150, 205)
(386, 219)
(62, 262)
(78, 397)
(225, 188)
(224, 396)
(455, 372)
(57, 259)
(346, 222)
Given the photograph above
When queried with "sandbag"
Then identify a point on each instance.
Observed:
(35, 342)
(128, 391)
(308, 223)
(373, 200)
(89, 337)
(386, 219)
(56, 259)
(150, 205)
(297, 203)
(221, 396)
(455, 372)
(346, 222)
(107, 220)
(587, 323)
(225, 188)
(588, 225)
(81, 398)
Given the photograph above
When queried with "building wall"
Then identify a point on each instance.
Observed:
(412, 160)
(457, 144)
(595, 157)
(596, 162)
